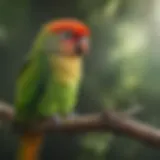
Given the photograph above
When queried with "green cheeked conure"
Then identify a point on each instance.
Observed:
(48, 84)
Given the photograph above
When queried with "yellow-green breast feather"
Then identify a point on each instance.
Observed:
(63, 86)
(67, 69)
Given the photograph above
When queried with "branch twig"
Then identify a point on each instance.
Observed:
(112, 121)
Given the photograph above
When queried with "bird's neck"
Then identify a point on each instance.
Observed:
(68, 70)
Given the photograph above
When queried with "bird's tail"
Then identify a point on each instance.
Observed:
(30, 146)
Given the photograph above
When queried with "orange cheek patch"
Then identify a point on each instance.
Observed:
(67, 46)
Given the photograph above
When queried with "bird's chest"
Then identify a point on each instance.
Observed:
(66, 70)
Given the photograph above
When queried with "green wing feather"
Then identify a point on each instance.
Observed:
(31, 82)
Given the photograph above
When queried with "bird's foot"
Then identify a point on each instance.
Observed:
(72, 116)
(57, 119)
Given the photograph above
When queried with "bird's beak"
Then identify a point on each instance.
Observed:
(82, 47)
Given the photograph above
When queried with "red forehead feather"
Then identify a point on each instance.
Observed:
(69, 24)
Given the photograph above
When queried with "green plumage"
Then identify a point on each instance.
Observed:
(39, 93)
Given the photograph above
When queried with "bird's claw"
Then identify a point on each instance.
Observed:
(56, 119)
(72, 116)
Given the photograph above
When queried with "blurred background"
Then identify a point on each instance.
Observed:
(122, 71)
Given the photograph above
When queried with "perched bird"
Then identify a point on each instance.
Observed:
(48, 84)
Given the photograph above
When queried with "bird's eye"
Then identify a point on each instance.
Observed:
(66, 35)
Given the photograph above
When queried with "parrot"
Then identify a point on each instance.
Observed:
(49, 81)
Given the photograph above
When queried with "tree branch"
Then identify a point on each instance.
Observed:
(112, 121)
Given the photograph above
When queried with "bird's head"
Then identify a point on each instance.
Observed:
(68, 37)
